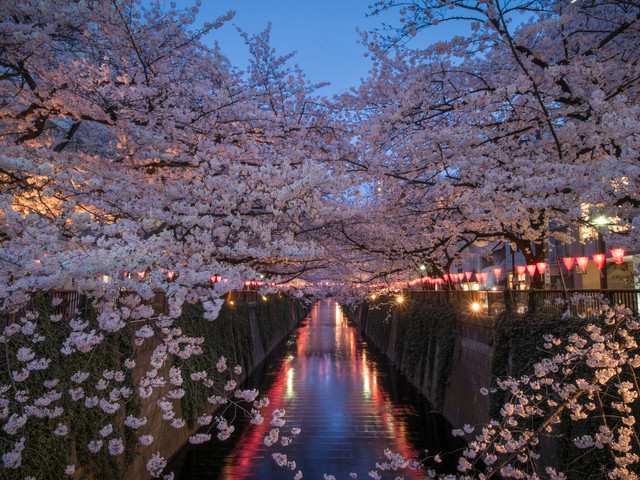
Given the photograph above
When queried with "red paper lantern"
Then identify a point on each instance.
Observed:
(520, 269)
(445, 277)
(479, 277)
(531, 269)
(542, 266)
(568, 262)
(215, 278)
(617, 254)
(599, 259)
(497, 271)
(142, 274)
(468, 275)
(171, 274)
(582, 263)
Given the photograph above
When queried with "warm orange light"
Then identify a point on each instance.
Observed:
(373, 296)
(497, 271)
(531, 269)
(399, 299)
(568, 262)
(582, 263)
(475, 306)
(542, 266)
(617, 254)
(520, 269)
(599, 259)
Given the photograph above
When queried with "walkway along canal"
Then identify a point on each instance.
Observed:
(346, 398)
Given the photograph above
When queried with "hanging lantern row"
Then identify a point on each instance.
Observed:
(171, 274)
(599, 259)
(540, 267)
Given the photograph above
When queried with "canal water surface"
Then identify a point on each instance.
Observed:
(346, 398)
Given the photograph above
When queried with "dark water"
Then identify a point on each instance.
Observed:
(349, 402)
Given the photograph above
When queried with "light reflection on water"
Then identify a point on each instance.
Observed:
(349, 403)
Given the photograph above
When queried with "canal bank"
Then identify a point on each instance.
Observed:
(245, 332)
(445, 353)
(348, 400)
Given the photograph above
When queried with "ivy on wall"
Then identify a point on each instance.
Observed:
(376, 321)
(424, 340)
(274, 317)
(518, 345)
(84, 424)
(229, 335)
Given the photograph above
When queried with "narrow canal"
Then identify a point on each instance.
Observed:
(346, 398)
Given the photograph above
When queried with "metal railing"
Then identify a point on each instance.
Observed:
(581, 303)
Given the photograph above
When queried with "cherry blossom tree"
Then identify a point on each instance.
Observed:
(136, 159)
(524, 122)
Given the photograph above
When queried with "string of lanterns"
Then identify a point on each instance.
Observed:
(599, 259)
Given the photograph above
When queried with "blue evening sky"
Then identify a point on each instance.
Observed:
(323, 33)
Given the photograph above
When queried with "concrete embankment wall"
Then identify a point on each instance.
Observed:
(244, 332)
(445, 353)
(449, 354)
